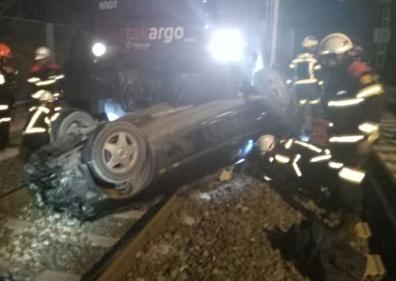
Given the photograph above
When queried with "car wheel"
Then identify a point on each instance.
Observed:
(116, 152)
(71, 121)
(137, 183)
(270, 84)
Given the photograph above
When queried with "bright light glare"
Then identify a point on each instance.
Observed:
(227, 45)
(99, 49)
(246, 149)
(113, 110)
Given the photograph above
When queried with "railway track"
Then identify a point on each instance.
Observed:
(39, 244)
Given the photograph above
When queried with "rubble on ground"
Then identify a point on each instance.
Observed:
(11, 172)
(220, 232)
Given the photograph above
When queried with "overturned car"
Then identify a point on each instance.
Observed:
(94, 169)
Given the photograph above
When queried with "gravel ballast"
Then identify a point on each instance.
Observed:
(220, 232)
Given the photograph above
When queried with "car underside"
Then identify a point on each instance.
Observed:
(89, 171)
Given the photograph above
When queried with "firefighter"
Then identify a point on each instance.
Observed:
(310, 167)
(306, 82)
(306, 67)
(352, 109)
(7, 83)
(336, 155)
(45, 74)
(45, 78)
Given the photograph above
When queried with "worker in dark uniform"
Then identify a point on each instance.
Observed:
(305, 69)
(306, 82)
(310, 167)
(335, 156)
(352, 108)
(45, 78)
(7, 88)
(45, 74)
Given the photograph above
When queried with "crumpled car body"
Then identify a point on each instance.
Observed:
(88, 173)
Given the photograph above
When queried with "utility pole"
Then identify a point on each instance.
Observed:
(382, 34)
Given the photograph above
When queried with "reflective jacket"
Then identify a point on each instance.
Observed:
(45, 77)
(305, 68)
(351, 103)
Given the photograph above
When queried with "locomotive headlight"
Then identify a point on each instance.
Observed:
(227, 45)
(99, 49)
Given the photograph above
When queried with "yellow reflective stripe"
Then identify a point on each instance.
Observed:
(320, 158)
(306, 81)
(45, 109)
(3, 107)
(295, 165)
(346, 139)
(31, 129)
(57, 77)
(45, 83)
(370, 91)
(55, 116)
(302, 102)
(289, 143)
(38, 94)
(309, 146)
(33, 79)
(282, 159)
(315, 101)
(345, 102)
(5, 120)
(352, 175)
(267, 178)
(369, 128)
(34, 131)
(335, 165)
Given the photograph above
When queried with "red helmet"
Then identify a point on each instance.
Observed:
(5, 51)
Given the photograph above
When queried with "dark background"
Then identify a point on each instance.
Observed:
(358, 18)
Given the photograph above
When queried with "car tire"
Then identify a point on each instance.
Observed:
(71, 120)
(271, 84)
(137, 183)
(116, 152)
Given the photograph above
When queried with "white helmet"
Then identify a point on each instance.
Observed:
(335, 43)
(42, 53)
(266, 143)
(310, 42)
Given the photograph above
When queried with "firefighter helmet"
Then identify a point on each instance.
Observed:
(335, 43)
(310, 42)
(266, 143)
(42, 53)
(5, 51)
